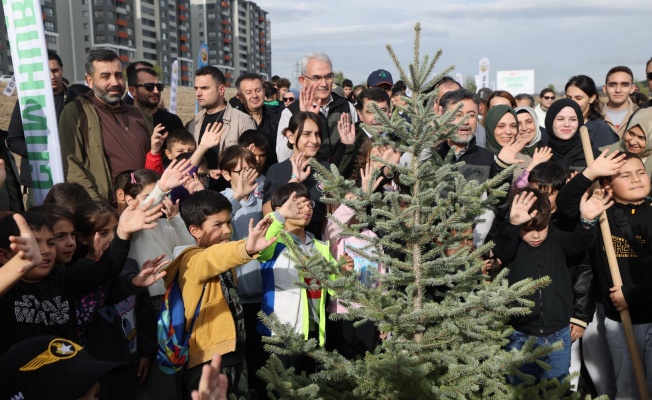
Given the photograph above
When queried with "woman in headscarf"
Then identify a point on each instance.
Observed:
(638, 137)
(563, 121)
(503, 138)
(529, 130)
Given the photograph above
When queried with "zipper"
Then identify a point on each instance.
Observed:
(540, 294)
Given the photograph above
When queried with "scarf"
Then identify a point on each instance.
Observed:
(565, 152)
(643, 118)
(530, 147)
(493, 117)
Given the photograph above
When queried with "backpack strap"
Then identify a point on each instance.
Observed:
(194, 317)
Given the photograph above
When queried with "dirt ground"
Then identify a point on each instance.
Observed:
(185, 103)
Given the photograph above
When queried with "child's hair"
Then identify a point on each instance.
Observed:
(628, 156)
(548, 176)
(8, 226)
(121, 180)
(138, 180)
(69, 195)
(201, 205)
(181, 136)
(542, 206)
(91, 217)
(53, 213)
(232, 155)
(363, 157)
(297, 122)
(252, 136)
(282, 194)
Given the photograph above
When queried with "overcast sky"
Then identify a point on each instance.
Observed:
(556, 38)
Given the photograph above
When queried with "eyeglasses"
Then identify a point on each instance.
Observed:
(311, 203)
(549, 97)
(649, 76)
(241, 170)
(150, 86)
(317, 78)
(286, 99)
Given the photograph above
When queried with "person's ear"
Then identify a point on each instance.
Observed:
(89, 81)
(132, 91)
(595, 96)
(195, 231)
(607, 186)
(120, 195)
(82, 239)
(128, 199)
(227, 175)
(168, 154)
(290, 137)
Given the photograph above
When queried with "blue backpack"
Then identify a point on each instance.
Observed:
(173, 339)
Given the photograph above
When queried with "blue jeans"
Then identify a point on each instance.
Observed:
(559, 361)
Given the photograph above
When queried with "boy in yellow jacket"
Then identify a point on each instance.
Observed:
(208, 267)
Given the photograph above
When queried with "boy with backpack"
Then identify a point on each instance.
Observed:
(206, 277)
(629, 221)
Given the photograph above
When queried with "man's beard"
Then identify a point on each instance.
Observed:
(461, 141)
(106, 97)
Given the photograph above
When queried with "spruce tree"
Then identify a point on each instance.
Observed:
(448, 323)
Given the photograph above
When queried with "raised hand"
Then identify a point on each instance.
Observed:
(346, 129)
(350, 264)
(591, 208)
(509, 153)
(307, 99)
(134, 219)
(256, 241)
(300, 167)
(605, 165)
(572, 175)
(25, 246)
(212, 135)
(175, 175)
(100, 244)
(170, 209)
(520, 211)
(246, 185)
(292, 207)
(366, 175)
(150, 272)
(158, 137)
(541, 155)
(194, 185)
(212, 385)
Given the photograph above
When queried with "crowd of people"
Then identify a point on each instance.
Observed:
(150, 200)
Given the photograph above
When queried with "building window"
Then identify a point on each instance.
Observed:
(48, 11)
(86, 25)
(51, 39)
(110, 27)
(87, 38)
(85, 14)
(211, 16)
(49, 25)
(100, 38)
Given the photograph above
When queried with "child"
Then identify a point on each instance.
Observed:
(304, 138)
(238, 166)
(257, 142)
(629, 221)
(119, 190)
(116, 321)
(68, 195)
(205, 273)
(27, 255)
(304, 310)
(526, 246)
(177, 142)
(63, 225)
(40, 303)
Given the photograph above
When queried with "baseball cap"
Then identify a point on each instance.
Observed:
(337, 89)
(378, 77)
(48, 367)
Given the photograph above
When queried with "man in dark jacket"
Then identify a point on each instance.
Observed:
(252, 96)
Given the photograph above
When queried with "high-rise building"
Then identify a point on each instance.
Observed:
(237, 33)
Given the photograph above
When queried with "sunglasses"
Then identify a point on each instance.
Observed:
(286, 99)
(549, 97)
(649, 76)
(150, 86)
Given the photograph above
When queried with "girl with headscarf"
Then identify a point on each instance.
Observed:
(563, 121)
(638, 137)
(501, 125)
(530, 132)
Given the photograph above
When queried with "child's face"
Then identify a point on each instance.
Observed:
(467, 241)
(305, 212)
(142, 195)
(45, 241)
(309, 141)
(235, 175)
(179, 148)
(534, 238)
(552, 194)
(216, 229)
(107, 233)
(261, 157)
(631, 185)
(64, 240)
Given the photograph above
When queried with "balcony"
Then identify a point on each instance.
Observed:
(183, 38)
(184, 48)
(226, 22)
(121, 22)
(183, 18)
(184, 67)
(182, 7)
(123, 34)
(227, 58)
(226, 31)
(228, 75)
(124, 58)
(227, 40)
